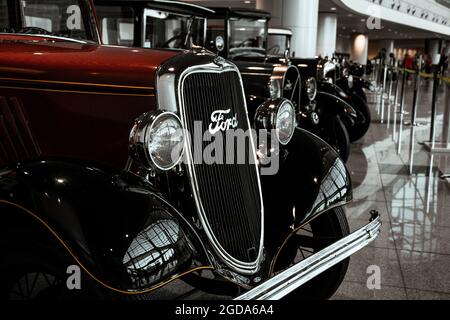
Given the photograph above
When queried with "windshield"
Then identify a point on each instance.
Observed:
(161, 29)
(116, 25)
(248, 36)
(4, 19)
(61, 18)
(277, 44)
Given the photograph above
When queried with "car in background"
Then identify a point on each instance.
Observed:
(241, 35)
(333, 79)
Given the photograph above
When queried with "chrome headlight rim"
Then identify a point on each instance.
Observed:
(275, 89)
(140, 140)
(291, 134)
(311, 82)
(267, 116)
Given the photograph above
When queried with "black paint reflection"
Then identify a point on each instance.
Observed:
(155, 253)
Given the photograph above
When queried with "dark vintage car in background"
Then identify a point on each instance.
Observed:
(333, 79)
(178, 25)
(244, 34)
(97, 173)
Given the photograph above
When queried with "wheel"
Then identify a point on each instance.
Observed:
(320, 233)
(37, 270)
(337, 136)
(359, 129)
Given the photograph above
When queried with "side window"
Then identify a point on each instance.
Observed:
(117, 25)
(36, 19)
(55, 17)
(4, 20)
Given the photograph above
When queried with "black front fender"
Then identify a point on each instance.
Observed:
(332, 106)
(312, 180)
(121, 230)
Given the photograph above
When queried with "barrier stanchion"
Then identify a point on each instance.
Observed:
(446, 82)
(401, 112)
(383, 91)
(416, 94)
(391, 77)
(394, 133)
(434, 109)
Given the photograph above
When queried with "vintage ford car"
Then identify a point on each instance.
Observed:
(242, 36)
(106, 166)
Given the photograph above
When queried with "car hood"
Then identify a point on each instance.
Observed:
(41, 59)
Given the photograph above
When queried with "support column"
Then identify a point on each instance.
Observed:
(434, 48)
(360, 47)
(327, 33)
(302, 17)
(344, 44)
(275, 7)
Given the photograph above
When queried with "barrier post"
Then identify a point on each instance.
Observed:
(416, 93)
(383, 91)
(402, 112)
(397, 71)
(434, 108)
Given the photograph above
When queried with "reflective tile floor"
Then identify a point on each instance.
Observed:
(404, 184)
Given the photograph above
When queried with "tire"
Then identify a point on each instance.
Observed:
(360, 128)
(331, 226)
(338, 138)
(37, 270)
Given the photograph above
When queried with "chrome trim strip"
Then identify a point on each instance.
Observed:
(256, 74)
(291, 279)
(236, 265)
(44, 36)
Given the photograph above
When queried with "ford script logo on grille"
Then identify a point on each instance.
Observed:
(220, 121)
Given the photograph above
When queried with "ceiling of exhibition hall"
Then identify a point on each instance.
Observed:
(350, 22)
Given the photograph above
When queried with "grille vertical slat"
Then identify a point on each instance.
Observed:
(229, 193)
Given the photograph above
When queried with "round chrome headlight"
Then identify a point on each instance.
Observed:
(311, 88)
(285, 122)
(277, 115)
(157, 140)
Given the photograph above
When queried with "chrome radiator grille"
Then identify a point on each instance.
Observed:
(228, 194)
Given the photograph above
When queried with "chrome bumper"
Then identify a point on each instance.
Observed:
(291, 279)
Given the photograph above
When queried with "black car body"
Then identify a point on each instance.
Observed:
(333, 81)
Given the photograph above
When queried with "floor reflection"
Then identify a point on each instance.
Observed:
(402, 177)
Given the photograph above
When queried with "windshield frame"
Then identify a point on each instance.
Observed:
(16, 22)
(288, 42)
(177, 14)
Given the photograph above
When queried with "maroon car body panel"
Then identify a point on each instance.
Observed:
(53, 91)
